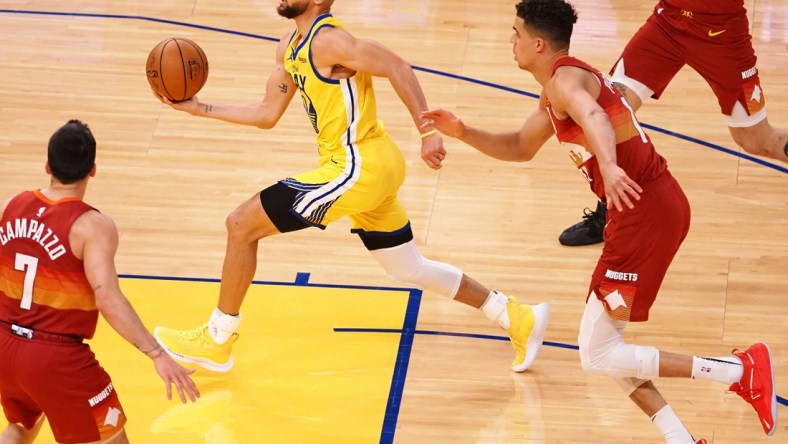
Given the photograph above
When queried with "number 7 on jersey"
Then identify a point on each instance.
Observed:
(29, 265)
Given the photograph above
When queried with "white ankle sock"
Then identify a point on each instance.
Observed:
(671, 427)
(222, 326)
(495, 309)
(726, 370)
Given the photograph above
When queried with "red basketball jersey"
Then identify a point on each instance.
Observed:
(635, 153)
(42, 284)
(711, 7)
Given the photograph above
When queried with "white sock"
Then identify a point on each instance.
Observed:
(222, 326)
(671, 427)
(726, 370)
(495, 309)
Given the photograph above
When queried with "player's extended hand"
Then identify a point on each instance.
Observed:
(190, 106)
(619, 188)
(173, 373)
(432, 151)
(443, 121)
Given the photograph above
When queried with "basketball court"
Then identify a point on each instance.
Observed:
(330, 360)
(331, 350)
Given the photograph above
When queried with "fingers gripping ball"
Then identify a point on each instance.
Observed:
(177, 68)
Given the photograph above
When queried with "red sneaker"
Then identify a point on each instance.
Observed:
(757, 384)
(702, 441)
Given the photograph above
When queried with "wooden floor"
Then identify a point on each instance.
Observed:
(169, 180)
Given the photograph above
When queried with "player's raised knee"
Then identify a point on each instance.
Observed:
(240, 223)
(590, 364)
(759, 140)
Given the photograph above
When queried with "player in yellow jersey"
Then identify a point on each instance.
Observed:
(361, 169)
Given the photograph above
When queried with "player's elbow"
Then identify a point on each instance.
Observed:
(105, 303)
(265, 114)
(524, 155)
(398, 70)
(757, 142)
(406, 66)
(265, 124)
(266, 121)
(521, 153)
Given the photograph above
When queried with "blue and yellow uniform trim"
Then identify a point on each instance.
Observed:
(360, 166)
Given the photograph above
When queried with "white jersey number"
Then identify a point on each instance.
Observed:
(29, 265)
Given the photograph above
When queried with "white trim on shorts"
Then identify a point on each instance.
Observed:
(321, 198)
(620, 76)
(740, 119)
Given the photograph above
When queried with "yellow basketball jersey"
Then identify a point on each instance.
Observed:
(342, 111)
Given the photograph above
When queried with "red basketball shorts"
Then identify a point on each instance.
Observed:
(639, 246)
(65, 382)
(719, 48)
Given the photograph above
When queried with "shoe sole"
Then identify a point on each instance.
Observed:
(202, 362)
(774, 393)
(580, 244)
(535, 339)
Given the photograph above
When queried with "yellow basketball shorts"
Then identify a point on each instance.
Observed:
(359, 181)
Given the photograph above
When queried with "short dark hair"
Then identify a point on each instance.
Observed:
(551, 19)
(72, 152)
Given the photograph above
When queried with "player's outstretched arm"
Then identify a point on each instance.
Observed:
(513, 146)
(95, 239)
(574, 91)
(279, 90)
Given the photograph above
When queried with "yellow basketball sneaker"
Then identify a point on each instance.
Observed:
(527, 324)
(197, 347)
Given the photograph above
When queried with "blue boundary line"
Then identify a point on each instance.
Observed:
(447, 333)
(477, 81)
(407, 333)
(780, 399)
(400, 368)
(294, 283)
(417, 68)
(143, 18)
(715, 147)
(302, 279)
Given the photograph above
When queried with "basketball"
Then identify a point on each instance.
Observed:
(177, 69)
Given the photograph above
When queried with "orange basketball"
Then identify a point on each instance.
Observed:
(177, 68)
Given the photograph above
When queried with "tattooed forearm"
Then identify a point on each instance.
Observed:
(208, 108)
(153, 353)
(283, 88)
(621, 88)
